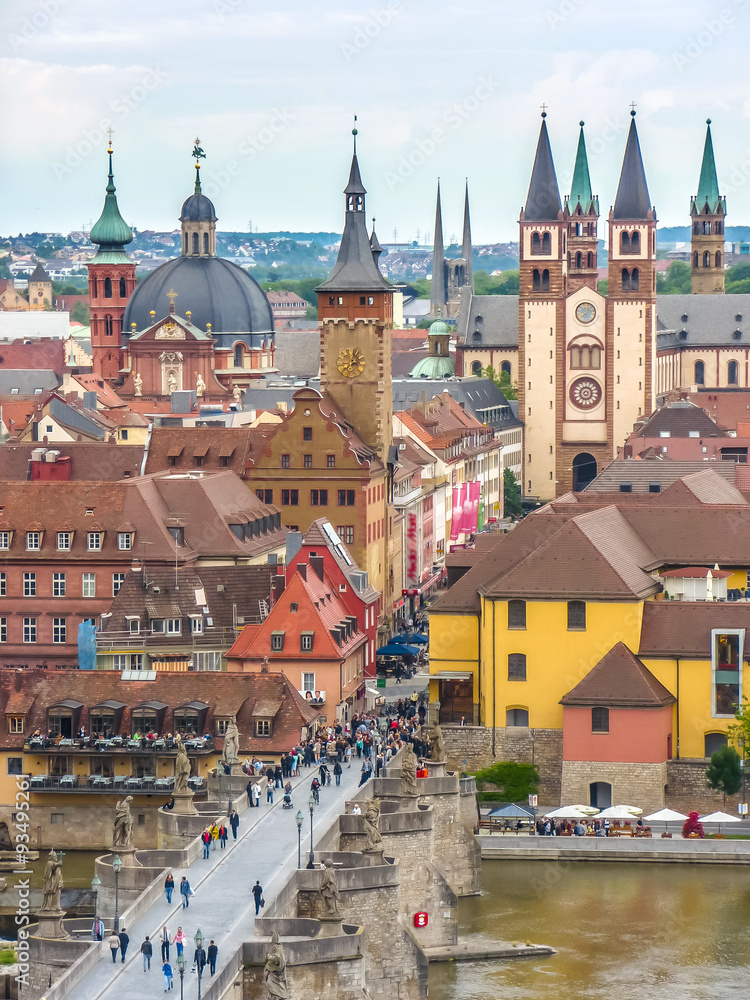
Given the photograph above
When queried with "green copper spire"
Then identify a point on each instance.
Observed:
(580, 189)
(708, 185)
(110, 231)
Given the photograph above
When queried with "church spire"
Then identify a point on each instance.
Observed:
(356, 267)
(110, 231)
(437, 294)
(708, 184)
(632, 200)
(466, 248)
(543, 200)
(580, 188)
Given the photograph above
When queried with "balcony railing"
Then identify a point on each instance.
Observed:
(161, 745)
(169, 642)
(148, 784)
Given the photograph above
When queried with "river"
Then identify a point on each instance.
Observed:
(668, 931)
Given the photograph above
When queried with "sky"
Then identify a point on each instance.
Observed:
(441, 89)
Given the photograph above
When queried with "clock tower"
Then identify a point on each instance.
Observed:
(355, 316)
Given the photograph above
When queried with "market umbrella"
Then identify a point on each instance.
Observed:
(567, 812)
(586, 810)
(413, 637)
(395, 649)
(620, 812)
(511, 811)
(720, 817)
(666, 816)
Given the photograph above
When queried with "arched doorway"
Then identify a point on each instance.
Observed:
(584, 470)
(600, 794)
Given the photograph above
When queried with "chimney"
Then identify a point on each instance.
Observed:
(293, 545)
(316, 564)
(89, 401)
(277, 587)
(302, 570)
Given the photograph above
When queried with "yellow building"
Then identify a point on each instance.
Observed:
(535, 613)
(40, 289)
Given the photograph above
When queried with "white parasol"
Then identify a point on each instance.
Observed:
(620, 812)
(567, 812)
(720, 817)
(666, 816)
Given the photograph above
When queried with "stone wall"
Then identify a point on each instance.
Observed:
(640, 785)
(687, 789)
(469, 748)
(334, 967)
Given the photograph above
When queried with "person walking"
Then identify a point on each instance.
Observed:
(278, 777)
(257, 892)
(114, 945)
(214, 834)
(169, 887)
(223, 834)
(147, 951)
(256, 795)
(185, 891)
(206, 839)
(337, 771)
(167, 973)
(179, 941)
(213, 954)
(124, 942)
(199, 960)
(348, 755)
(164, 944)
(269, 791)
(234, 822)
(97, 930)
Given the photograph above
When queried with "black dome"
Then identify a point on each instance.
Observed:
(198, 208)
(214, 290)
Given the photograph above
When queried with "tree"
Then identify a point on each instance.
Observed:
(496, 284)
(724, 773)
(739, 732)
(512, 506)
(675, 280)
(502, 381)
(603, 286)
(423, 287)
(81, 314)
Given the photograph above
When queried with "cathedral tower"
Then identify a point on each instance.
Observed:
(582, 216)
(707, 214)
(355, 316)
(111, 283)
(631, 300)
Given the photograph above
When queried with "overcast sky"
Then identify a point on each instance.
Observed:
(441, 89)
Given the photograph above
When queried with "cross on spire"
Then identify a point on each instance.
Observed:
(544, 110)
(171, 295)
(633, 106)
(110, 132)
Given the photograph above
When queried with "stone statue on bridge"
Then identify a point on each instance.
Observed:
(181, 767)
(122, 836)
(372, 818)
(231, 752)
(53, 882)
(329, 890)
(274, 973)
(409, 772)
(437, 750)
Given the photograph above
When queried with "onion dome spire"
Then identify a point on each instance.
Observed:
(111, 232)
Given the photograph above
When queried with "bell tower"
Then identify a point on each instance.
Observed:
(707, 214)
(111, 283)
(582, 216)
(355, 316)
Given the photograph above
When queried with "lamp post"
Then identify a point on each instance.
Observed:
(311, 806)
(96, 884)
(300, 819)
(116, 866)
(181, 962)
(200, 958)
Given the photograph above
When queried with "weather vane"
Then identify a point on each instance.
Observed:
(198, 151)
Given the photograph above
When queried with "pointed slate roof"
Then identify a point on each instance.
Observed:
(39, 274)
(543, 199)
(632, 200)
(466, 242)
(580, 188)
(111, 232)
(356, 268)
(619, 680)
(708, 183)
(437, 293)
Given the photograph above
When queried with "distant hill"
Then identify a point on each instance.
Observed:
(681, 234)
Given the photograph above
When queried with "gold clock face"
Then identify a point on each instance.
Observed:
(350, 362)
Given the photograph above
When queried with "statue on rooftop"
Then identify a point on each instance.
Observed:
(53, 882)
(437, 751)
(409, 771)
(137, 385)
(329, 889)
(372, 818)
(231, 752)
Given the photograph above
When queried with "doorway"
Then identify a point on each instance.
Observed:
(600, 794)
(584, 471)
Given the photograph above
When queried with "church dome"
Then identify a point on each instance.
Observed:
(198, 208)
(214, 290)
(433, 367)
(439, 329)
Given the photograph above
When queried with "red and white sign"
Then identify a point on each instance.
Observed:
(420, 919)
(412, 556)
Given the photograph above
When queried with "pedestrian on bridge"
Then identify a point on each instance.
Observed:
(214, 834)
(337, 771)
(147, 951)
(185, 892)
(167, 972)
(124, 942)
(179, 940)
(223, 834)
(257, 891)
(234, 822)
(164, 944)
(256, 795)
(206, 839)
(249, 791)
(114, 945)
(213, 954)
(169, 887)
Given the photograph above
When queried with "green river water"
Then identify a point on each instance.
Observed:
(662, 931)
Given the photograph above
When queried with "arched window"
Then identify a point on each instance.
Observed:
(205, 243)
(579, 259)
(713, 742)
(717, 259)
(625, 280)
(238, 353)
(585, 357)
(624, 242)
(718, 228)
(635, 243)
(107, 326)
(536, 280)
(545, 280)
(706, 228)
(476, 368)
(94, 287)
(696, 228)
(505, 368)
(589, 260)
(596, 357)
(634, 279)
(733, 373)
(107, 288)
(575, 357)
(517, 717)
(196, 243)
(706, 259)
(186, 243)
(696, 263)
(123, 288)
(536, 243)
(699, 372)
(546, 243)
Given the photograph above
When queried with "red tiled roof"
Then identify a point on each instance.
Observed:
(619, 680)
(42, 354)
(682, 628)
